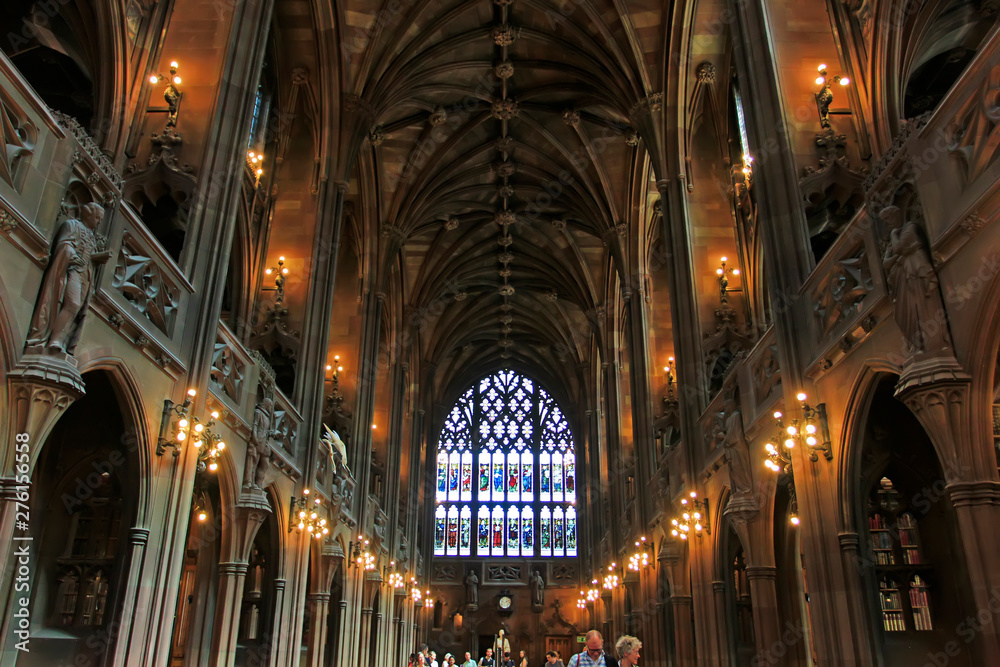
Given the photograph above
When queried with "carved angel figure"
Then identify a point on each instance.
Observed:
(338, 451)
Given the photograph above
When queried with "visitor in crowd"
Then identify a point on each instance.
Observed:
(628, 647)
(593, 654)
(507, 660)
(552, 659)
(524, 661)
(433, 659)
(469, 662)
(487, 660)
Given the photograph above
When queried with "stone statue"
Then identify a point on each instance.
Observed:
(338, 451)
(537, 589)
(737, 452)
(913, 285)
(259, 448)
(472, 589)
(68, 283)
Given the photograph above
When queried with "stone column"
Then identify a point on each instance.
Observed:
(319, 607)
(137, 539)
(721, 622)
(364, 636)
(766, 620)
(683, 613)
(279, 628)
(232, 577)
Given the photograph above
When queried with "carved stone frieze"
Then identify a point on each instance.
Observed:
(90, 147)
(228, 371)
(145, 285)
(842, 290)
(8, 223)
(17, 138)
(284, 429)
(974, 134)
(766, 373)
(503, 573)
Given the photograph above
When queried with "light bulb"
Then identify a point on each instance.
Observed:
(790, 444)
(794, 520)
(181, 436)
(198, 428)
(202, 516)
(213, 466)
(259, 173)
(302, 525)
(697, 527)
(183, 423)
(810, 428)
(820, 80)
(177, 80)
(821, 67)
(154, 79)
(769, 447)
(312, 515)
(267, 271)
(777, 415)
(302, 514)
(802, 397)
(215, 414)
(305, 491)
(283, 270)
(844, 81)
(719, 271)
(221, 445)
(192, 393)
(792, 430)
(173, 64)
(736, 272)
(811, 441)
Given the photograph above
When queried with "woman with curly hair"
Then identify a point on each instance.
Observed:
(628, 647)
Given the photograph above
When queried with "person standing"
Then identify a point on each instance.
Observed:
(508, 661)
(552, 659)
(469, 662)
(628, 647)
(433, 659)
(593, 654)
(524, 660)
(487, 660)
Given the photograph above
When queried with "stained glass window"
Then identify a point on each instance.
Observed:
(505, 460)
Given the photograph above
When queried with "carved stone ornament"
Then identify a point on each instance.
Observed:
(504, 168)
(68, 283)
(571, 118)
(438, 117)
(971, 225)
(143, 284)
(504, 218)
(504, 70)
(504, 35)
(17, 136)
(451, 224)
(705, 73)
(504, 109)
(506, 290)
(376, 135)
(7, 222)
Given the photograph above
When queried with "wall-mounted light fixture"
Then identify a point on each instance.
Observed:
(693, 518)
(668, 370)
(724, 272)
(255, 162)
(611, 578)
(279, 273)
(360, 556)
(824, 98)
(303, 515)
(415, 593)
(171, 93)
(813, 429)
(395, 577)
(640, 559)
(189, 428)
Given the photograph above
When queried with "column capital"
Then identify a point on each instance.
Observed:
(968, 494)
(849, 541)
(233, 569)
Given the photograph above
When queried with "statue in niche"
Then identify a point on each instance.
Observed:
(729, 433)
(913, 285)
(68, 283)
(537, 589)
(259, 448)
(472, 589)
(338, 451)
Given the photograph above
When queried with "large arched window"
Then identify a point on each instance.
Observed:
(506, 473)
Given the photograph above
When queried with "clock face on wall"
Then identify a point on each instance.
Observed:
(504, 602)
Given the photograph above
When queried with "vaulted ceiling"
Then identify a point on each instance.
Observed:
(507, 169)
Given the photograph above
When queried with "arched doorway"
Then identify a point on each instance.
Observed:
(906, 527)
(86, 486)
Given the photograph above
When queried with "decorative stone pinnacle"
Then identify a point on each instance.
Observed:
(706, 72)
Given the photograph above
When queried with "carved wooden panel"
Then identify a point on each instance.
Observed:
(842, 290)
(228, 370)
(503, 573)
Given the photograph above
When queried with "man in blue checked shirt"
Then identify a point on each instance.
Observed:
(593, 655)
